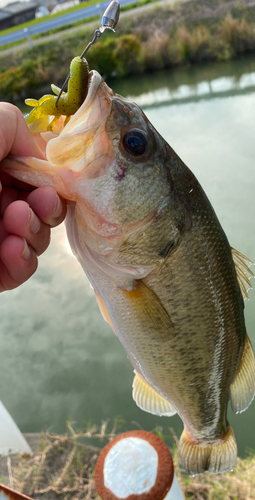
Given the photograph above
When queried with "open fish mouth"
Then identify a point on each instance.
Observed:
(93, 109)
(78, 142)
(93, 82)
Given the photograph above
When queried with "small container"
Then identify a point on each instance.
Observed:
(136, 465)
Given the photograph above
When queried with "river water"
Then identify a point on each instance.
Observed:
(59, 359)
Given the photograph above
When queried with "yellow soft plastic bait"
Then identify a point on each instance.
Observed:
(68, 103)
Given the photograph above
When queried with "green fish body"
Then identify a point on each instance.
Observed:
(164, 274)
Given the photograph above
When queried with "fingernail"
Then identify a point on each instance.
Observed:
(26, 251)
(33, 223)
(58, 208)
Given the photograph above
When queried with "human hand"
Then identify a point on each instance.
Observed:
(26, 213)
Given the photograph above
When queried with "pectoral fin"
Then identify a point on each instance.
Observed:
(149, 311)
(104, 311)
(242, 265)
(242, 390)
(148, 400)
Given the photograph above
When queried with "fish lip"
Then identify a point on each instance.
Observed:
(94, 82)
(77, 121)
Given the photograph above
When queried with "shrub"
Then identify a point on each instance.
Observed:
(127, 55)
(194, 44)
(12, 83)
(101, 57)
(154, 52)
(238, 34)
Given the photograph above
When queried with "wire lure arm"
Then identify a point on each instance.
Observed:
(109, 21)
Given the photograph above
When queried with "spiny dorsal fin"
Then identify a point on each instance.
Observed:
(242, 265)
(242, 390)
(149, 400)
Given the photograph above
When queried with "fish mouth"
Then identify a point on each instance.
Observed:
(94, 108)
(82, 137)
(94, 81)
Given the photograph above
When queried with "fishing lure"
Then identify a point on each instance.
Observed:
(109, 21)
(68, 103)
(47, 110)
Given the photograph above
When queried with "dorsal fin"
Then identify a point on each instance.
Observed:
(242, 265)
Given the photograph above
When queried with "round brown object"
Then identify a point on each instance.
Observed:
(165, 470)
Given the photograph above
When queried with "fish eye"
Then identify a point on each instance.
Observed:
(135, 142)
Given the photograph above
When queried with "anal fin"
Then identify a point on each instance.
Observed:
(242, 265)
(242, 390)
(149, 400)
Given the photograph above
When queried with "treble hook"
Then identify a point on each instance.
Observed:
(109, 21)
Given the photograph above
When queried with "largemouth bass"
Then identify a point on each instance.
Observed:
(164, 274)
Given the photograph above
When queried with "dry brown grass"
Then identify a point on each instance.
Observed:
(194, 43)
(238, 34)
(63, 469)
(236, 485)
(155, 50)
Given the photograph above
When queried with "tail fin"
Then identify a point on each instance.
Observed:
(217, 457)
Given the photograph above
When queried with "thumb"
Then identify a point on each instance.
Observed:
(15, 137)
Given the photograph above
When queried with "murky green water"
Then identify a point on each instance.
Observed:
(59, 359)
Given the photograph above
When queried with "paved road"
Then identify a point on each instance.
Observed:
(57, 22)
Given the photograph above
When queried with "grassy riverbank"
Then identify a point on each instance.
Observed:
(163, 36)
(63, 468)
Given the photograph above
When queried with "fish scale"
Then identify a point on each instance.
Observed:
(165, 277)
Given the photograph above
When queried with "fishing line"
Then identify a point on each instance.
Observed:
(110, 19)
